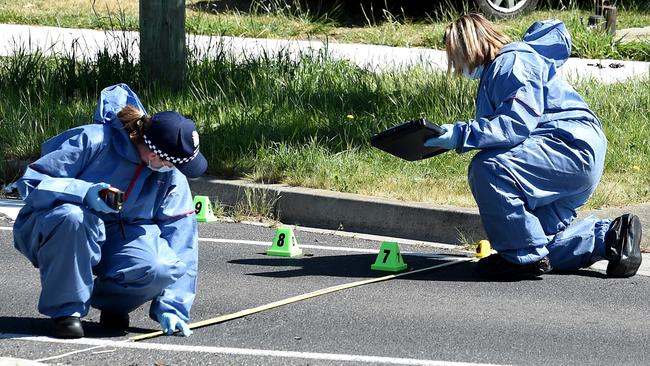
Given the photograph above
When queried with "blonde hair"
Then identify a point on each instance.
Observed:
(135, 122)
(471, 41)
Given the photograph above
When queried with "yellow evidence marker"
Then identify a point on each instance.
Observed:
(483, 249)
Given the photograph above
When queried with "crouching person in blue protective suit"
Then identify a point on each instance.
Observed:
(90, 254)
(542, 155)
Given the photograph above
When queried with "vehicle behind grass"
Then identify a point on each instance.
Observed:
(497, 9)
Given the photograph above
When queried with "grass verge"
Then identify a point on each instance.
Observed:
(306, 121)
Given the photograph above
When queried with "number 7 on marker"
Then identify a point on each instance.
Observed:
(386, 254)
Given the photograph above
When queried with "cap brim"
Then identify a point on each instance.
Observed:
(195, 167)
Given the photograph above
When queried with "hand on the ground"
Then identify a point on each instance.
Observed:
(93, 201)
(170, 322)
(448, 140)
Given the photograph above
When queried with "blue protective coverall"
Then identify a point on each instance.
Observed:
(542, 154)
(108, 261)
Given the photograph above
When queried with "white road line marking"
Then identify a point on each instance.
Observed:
(323, 247)
(308, 246)
(70, 353)
(344, 234)
(237, 241)
(241, 351)
(268, 243)
(370, 237)
(598, 265)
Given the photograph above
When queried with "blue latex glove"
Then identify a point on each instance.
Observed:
(96, 203)
(170, 322)
(448, 140)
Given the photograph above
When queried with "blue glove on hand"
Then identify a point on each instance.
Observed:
(96, 203)
(448, 140)
(170, 322)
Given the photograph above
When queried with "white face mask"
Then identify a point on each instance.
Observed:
(160, 169)
(475, 74)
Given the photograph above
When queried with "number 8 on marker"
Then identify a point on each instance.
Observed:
(280, 240)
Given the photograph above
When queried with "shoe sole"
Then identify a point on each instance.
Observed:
(526, 272)
(630, 260)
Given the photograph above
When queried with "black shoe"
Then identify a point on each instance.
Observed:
(115, 321)
(494, 267)
(67, 327)
(623, 246)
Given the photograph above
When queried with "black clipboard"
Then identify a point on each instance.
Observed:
(406, 140)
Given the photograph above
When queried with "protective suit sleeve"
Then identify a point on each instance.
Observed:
(514, 90)
(52, 178)
(177, 222)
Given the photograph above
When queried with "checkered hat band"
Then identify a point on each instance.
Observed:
(169, 158)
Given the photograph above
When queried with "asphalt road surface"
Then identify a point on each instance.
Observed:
(436, 317)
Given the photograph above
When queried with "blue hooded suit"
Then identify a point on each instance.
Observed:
(542, 154)
(113, 262)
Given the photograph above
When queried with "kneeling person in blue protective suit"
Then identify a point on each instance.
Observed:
(88, 253)
(542, 155)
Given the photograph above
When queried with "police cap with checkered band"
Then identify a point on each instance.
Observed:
(174, 138)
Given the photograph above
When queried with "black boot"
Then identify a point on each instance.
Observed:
(67, 327)
(114, 321)
(494, 267)
(623, 246)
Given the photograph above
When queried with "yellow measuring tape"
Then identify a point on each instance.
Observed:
(243, 313)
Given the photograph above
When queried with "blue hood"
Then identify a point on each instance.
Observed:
(111, 100)
(551, 39)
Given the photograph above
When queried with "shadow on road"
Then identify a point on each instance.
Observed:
(358, 266)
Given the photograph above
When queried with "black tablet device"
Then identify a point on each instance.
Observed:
(406, 140)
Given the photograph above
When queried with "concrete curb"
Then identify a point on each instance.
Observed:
(370, 215)
(344, 211)
(355, 213)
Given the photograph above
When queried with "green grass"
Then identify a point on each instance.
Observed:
(306, 122)
(285, 19)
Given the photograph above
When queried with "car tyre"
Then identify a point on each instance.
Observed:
(498, 9)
